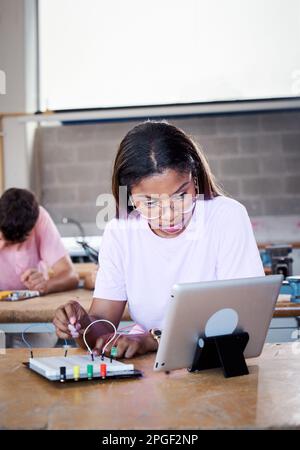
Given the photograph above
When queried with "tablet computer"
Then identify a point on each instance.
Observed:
(216, 308)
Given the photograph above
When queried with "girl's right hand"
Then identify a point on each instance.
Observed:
(70, 320)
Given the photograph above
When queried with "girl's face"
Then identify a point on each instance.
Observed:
(159, 198)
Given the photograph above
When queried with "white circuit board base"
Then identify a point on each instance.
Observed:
(49, 367)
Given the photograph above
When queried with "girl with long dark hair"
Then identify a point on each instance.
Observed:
(173, 224)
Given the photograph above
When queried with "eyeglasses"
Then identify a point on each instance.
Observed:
(151, 209)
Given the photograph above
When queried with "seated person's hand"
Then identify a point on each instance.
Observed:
(70, 320)
(127, 345)
(34, 280)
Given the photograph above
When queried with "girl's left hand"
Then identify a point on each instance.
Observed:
(128, 345)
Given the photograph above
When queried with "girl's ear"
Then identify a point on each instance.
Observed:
(196, 184)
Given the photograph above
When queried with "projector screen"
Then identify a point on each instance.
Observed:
(117, 53)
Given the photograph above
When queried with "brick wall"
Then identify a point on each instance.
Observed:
(256, 158)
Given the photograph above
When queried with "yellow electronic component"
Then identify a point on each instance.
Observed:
(13, 296)
(5, 294)
(76, 372)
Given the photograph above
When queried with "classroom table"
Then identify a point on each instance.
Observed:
(15, 316)
(84, 271)
(286, 308)
(266, 398)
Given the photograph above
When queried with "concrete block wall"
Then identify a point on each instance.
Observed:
(255, 157)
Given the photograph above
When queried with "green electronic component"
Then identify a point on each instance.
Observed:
(114, 352)
(90, 371)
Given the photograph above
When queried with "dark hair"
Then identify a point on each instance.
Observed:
(19, 211)
(152, 147)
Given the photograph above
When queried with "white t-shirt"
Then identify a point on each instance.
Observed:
(141, 267)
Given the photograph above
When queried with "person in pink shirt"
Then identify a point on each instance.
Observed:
(32, 255)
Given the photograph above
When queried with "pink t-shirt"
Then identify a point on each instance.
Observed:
(43, 245)
(140, 267)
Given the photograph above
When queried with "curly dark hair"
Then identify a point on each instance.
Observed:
(19, 211)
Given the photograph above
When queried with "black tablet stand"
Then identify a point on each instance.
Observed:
(226, 351)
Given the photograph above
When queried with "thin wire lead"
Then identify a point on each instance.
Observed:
(29, 345)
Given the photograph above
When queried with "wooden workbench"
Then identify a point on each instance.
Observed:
(42, 309)
(286, 308)
(266, 398)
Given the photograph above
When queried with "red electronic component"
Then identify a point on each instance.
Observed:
(103, 370)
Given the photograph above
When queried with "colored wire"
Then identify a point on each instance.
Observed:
(111, 339)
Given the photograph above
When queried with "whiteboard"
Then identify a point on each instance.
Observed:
(116, 53)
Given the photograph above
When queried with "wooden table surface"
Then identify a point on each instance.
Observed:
(84, 268)
(41, 309)
(266, 398)
(287, 308)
